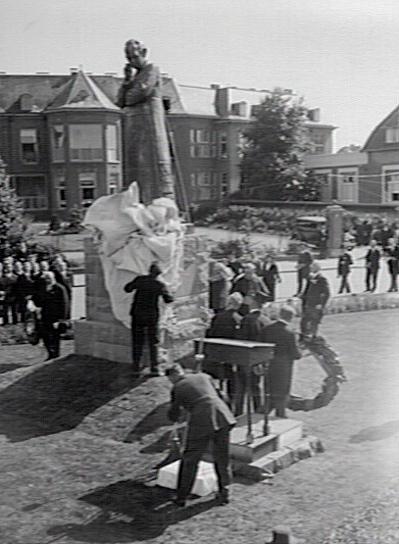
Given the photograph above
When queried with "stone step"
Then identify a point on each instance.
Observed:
(283, 432)
(272, 462)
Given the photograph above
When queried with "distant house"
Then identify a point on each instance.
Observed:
(370, 175)
(61, 138)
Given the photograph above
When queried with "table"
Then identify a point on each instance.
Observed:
(245, 354)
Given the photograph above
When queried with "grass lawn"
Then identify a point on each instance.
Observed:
(79, 440)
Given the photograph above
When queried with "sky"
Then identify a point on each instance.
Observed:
(340, 55)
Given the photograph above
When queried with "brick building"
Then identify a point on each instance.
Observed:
(60, 136)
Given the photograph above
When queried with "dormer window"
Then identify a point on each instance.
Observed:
(26, 102)
(392, 135)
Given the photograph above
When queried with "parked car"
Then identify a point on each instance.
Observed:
(311, 229)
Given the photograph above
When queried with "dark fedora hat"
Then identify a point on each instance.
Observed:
(283, 535)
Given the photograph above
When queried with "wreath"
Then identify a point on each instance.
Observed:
(329, 362)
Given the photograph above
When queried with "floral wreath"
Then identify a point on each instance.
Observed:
(329, 362)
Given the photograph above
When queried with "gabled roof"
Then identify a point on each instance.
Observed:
(376, 140)
(81, 92)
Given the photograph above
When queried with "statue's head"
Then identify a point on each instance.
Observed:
(135, 52)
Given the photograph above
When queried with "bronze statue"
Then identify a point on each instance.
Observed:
(147, 153)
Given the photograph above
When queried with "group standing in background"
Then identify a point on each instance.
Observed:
(29, 285)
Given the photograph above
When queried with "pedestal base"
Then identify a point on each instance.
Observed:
(283, 432)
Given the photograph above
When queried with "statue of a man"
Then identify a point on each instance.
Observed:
(147, 153)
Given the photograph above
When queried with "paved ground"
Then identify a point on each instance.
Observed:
(79, 440)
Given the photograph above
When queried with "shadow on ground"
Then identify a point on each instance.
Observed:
(130, 511)
(378, 432)
(157, 418)
(58, 396)
(8, 367)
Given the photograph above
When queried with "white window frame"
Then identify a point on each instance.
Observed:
(386, 170)
(352, 171)
(392, 135)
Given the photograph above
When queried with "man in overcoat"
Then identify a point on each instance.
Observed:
(145, 315)
(210, 421)
(285, 353)
(373, 257)
(52, 301)
(314, 300)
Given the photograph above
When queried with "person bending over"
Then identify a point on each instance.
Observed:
(210, 422)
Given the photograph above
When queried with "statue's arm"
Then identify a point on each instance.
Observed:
(142, 86)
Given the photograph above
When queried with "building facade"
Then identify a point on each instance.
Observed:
(369, 175)
(60, 136)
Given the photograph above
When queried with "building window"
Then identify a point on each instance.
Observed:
(392, 135)
(202, 144)
(113, 182)
(29, 147)
(57, 142)
(32, 192)
(111, 138)
(60, 188)
(87, 185)
(224, 185)
(201, 184)
(215, 186)
(391, 183)
(317, 143)
(85, 142)
(222, 145)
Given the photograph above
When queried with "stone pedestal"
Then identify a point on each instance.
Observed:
(335, 230)
(101, 335)
(285, 445)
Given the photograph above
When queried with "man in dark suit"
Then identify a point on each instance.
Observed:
(314, 300)
(345, 262)
(52, 302)
(210, 422)
(145, 315)
(252, 288)
(304, 262)
(373, 257)
(225, 324)
(285, 352)
(251, 329)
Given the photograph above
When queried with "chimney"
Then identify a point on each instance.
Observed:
(215, 86)
(73, 70)
(222, 102)
(314, 115)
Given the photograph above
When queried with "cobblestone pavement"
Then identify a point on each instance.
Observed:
(80, 438)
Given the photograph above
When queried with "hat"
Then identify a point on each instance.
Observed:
(283, 535)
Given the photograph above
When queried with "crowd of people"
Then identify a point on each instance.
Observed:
(257, 279)
(31, 286)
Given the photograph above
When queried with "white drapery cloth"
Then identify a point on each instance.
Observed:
(132, 237)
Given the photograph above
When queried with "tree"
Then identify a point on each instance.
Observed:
(11, 211)
(274, 146)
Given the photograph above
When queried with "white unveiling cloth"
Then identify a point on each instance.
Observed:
(132, 237)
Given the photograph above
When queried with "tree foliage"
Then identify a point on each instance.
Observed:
(11, 211)
(273, 151)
